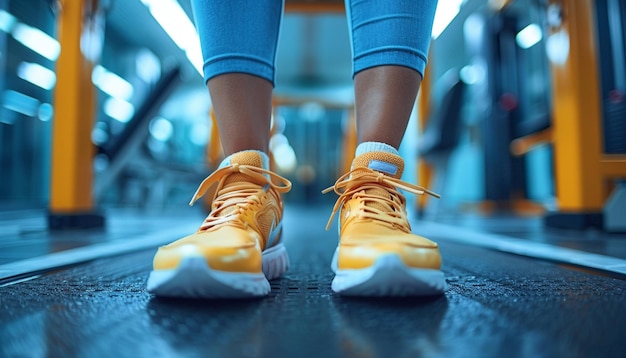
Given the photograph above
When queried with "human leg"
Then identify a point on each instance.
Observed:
(384, 97)
(390, 41)
(239, 42)
(378, 254)
(238, 246)
(243, 109)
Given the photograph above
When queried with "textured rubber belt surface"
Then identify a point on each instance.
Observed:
(496, 305)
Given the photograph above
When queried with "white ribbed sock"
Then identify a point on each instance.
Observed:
(366, 147)
(265, 159)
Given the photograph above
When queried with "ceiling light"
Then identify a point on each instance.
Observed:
(119, 109)
(111, 84)
(445, 13)
(20, 103)
(100, 133)
(37, 41)
(161, 129)
(557, 47)
(529, 36)
(7, 21)
(147, 66)
(472, 74)
(37, 75)
(45, 112)
(173, 19)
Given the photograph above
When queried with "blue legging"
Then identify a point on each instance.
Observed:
(241, 36)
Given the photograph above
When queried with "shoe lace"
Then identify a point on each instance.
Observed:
(230, 200)
(365, 184)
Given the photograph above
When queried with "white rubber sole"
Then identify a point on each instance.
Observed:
(195, 279)
(388, 277)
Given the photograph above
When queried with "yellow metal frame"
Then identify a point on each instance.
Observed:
(214, 147)
(74, 104)
(523, 145)
(424, 170)
(582, 171)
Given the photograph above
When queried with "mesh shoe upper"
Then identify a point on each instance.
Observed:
(373, 219)
(245, 218)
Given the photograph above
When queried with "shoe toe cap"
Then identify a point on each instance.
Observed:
(236, 255)
(359, 257)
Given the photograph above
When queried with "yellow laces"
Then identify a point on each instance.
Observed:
(229, 201)
(355, 184)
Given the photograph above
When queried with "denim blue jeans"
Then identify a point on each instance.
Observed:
(241, 36)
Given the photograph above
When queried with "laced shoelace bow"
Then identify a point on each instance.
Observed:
(356, 183)
(230, 200)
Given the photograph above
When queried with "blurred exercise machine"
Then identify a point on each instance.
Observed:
(74, 189)
(568, 93)
(589, 125)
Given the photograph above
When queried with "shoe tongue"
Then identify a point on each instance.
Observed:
(248, 157)
(387, 163)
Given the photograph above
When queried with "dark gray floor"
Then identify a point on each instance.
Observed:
(24, 234)
(497, 305)
(533, 228)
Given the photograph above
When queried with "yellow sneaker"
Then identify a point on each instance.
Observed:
(238, 246)
(377, 253)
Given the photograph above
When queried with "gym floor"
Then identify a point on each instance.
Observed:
(515, 289)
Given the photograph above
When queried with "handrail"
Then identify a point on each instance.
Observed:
(120, 150)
